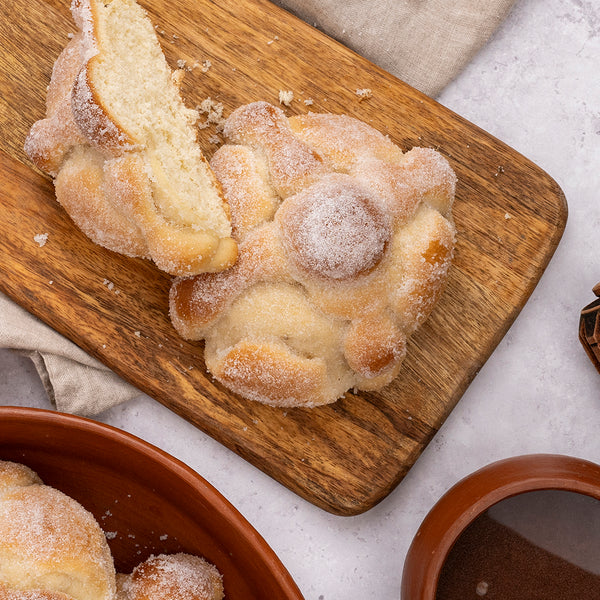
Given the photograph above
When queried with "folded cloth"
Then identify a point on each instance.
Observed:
(423, 42)
(75, 382)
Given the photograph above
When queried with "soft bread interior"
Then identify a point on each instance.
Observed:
(140, 92)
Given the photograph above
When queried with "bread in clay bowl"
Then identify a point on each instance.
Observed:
(50, 546)
(345, 243)
(121, 146)
(171, 577)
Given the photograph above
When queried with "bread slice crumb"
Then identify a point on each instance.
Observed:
(286, 97)
(364, 94)
(41, 239)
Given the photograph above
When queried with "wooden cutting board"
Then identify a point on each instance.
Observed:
(344, 457)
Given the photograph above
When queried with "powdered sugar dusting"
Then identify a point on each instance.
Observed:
(264, 127)
(176, 577)
(43, 527)
(335, 228)
(343, 140)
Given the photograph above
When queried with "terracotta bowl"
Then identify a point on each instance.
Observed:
(472, 496)
(145, 500)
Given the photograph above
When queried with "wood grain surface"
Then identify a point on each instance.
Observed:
(345, 457)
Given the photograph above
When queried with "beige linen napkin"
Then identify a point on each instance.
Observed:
(75, 382)
(424, 42)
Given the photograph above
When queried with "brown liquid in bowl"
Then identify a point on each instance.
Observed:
(542, 545)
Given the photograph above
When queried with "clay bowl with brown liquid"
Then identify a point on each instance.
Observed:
(526, 527)
(146, 501)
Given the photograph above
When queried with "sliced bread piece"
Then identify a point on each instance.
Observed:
(122, 147)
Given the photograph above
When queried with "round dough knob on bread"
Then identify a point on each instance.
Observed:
(171, 577)
(345, 243)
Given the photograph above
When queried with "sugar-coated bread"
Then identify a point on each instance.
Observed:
(344, 248)
(122, 148)
(172, 577)
(50, 546)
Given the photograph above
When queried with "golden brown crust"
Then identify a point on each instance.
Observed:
(92, 116)
(265, 129)
(177, 250)
(195, 303)
(244, 178)
(50, 139)
(80, 187)
(15, 475)
(89, 110)
(373, 345)
(363, 239)
(334, 229)
(272, 374)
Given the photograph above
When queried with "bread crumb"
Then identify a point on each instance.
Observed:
(273, 40)
(110, 535)
(213, 111)
(507, 216)
(206, 65)
(363, 94)
(40, 239)
(214, 139)
(309, 102)
(181, 63)
(111, 286)
(482, 588)
(286, 97)
(138, 333)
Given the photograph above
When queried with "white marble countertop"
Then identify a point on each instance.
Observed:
(535, 86)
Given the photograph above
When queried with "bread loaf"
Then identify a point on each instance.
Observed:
(345, 246)
(122, 148)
